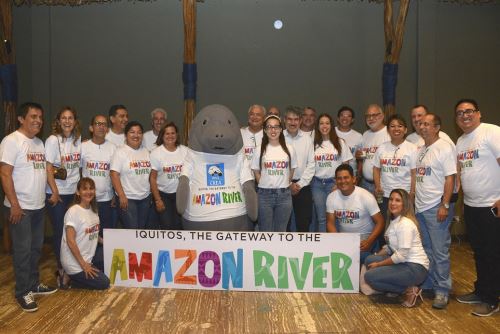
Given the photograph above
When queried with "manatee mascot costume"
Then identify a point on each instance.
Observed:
(216, 188)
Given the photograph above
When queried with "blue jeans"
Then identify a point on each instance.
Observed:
(100, 282)
(436, 240)
(275, 207)
(56, 214)
(321, 188)
(27, 241)
(108, 215)
(136, 214)
(394, 278)
(170, 219)
(370, 186)
(364, 254)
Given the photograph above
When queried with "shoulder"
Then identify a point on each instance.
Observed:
(51, 140)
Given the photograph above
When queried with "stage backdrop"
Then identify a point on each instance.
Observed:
(238, 261)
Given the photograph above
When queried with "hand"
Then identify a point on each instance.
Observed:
(90, 271)
(374, 265)
(295, 188)
(54, 199)
(442, 213)
(16, 213)
(359, 154)
(497, 205)
(113, 202)
(365, 245)
(123, 203)
(160, 206)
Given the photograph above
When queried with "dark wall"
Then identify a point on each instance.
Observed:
(328, 54)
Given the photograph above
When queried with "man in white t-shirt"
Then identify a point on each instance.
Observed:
(158, 118)
(302, 144)
(23, 175)
(118, 116)
(96, 161)
(252, 134)
(417, 114)
(308, 121)
(478, 154)
(372, 139)
(436, 170)
(353, 209)
(353, 139)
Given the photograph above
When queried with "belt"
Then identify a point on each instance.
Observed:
(368, 181)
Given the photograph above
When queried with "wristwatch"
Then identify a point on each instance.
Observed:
(446, 205)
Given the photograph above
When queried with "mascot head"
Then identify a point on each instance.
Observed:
(215, 130)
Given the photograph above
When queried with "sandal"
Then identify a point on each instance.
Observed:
(411, 295)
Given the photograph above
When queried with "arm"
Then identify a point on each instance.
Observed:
(16, 212)
(413, 182)
(87, 268)
(153, 177)
(117, 184)
(256, 173)
(386, 262)
(330, 222)
(376, 180)
(366, 244)
(449, 184)
(51, 181)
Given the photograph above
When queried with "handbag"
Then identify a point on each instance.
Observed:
(60, 173)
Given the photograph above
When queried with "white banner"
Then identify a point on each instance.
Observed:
(242, 261)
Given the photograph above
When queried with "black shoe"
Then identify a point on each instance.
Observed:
(27, 302)
(470, 298)
(43, 289)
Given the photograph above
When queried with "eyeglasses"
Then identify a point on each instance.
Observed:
(103, 124)
(372, 115)
(466, 112)
(276, 127)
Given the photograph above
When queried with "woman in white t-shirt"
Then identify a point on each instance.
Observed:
(63, 155)
(130, 169)
(167, 160)
(273, 164)
(402, 264)
(81, 257)
(330, 151)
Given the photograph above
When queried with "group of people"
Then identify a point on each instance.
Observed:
(396, 190)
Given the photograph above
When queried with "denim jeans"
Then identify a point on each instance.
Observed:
(321, 188)
(136, 214)
(27, 241)
(436, 240)
(394, 278)
(370, 186)
(170, 219)
(56, 214)
(108, 215)
(275, 207)
(100, 282)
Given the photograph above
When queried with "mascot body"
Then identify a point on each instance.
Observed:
(216, 189)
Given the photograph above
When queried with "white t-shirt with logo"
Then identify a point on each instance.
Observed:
(86, 225)
(477, 154)
(416, 139)
(354, 140)
(149, 140)
(96, 161)
(395, 163)
(169, 167)
(117, 139)
(354, 212)
(327, 159)
(371, 142)
(250, 141)
(134, 167)
(434, 163)
(215, 185)
(27, 156)
(276, 166)
(57, 147)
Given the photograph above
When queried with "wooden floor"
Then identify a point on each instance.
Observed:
(132, 310)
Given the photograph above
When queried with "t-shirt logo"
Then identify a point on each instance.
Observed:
(215, 174)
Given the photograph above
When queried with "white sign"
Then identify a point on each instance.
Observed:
(243, 261)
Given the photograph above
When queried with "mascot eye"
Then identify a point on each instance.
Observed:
(204, 122)
(229, 121)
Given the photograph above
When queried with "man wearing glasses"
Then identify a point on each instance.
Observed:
(478, 154)
(96, 159)
(372, 139)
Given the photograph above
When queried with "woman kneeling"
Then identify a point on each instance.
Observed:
(81, 259)
(402, 264)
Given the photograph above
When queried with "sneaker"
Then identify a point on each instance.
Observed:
(43, 289)
(27, 302)
(440, 301)
(484, 310)
(470, 298)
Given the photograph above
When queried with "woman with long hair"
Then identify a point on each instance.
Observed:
(167, 160)
(330, 151)
(401, 265)
(63, 155)
(273, 164)
(130, 169)
(83, 264)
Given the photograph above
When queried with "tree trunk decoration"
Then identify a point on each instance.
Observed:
(189, 73)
